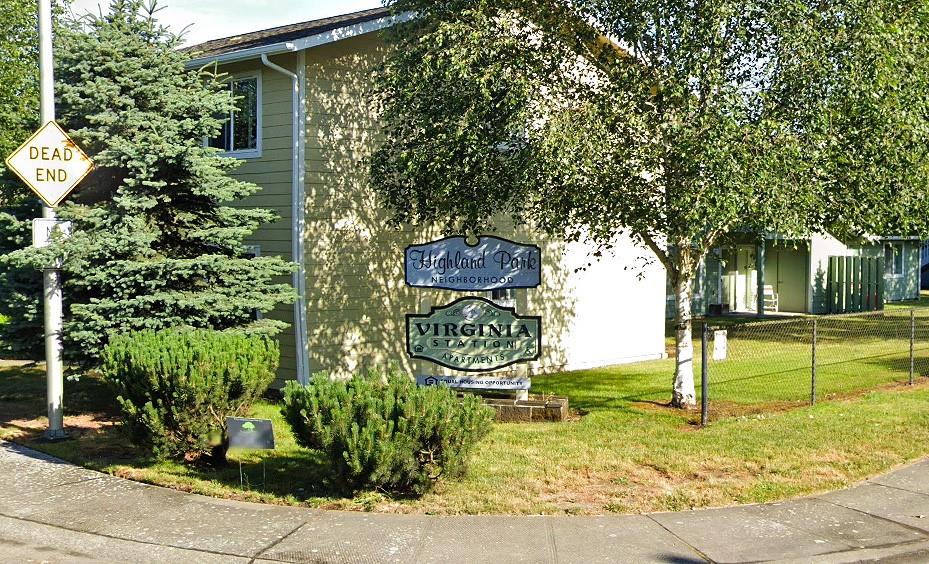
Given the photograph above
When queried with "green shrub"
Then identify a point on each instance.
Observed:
(385, 432)
(176, 387)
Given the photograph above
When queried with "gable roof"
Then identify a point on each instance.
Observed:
(293, 37)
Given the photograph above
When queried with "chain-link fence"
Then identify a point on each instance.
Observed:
(773, 365)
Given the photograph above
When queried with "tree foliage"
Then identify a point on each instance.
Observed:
(20, 288)
(674, 122)
(383, 432)
(176, 388)
(19, 74)
(156, 243)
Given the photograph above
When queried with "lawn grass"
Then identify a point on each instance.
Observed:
(625, 452)
(772, 362)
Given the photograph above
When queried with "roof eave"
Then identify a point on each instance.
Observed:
(308, 42)
(243, 55)
(350, 31)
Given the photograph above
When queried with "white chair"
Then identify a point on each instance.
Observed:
(770, 299)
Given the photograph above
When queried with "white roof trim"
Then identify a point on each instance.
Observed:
(871, 238)
(347, 32)
(307, 42)
(243, 55)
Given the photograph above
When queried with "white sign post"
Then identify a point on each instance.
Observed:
(52, 165)
(720, 345)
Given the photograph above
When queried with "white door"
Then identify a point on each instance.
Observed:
(745, 282)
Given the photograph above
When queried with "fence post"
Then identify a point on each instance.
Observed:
(704, 378)
(912, 345)
(813, 371)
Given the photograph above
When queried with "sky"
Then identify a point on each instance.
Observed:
(212, 19)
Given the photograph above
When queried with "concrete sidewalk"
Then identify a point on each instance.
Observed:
(55, 512)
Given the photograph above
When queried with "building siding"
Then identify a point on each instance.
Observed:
(605, 313)
(273, 173)
(821, 248)
(813, 278)
(357, 297)
(904, 287)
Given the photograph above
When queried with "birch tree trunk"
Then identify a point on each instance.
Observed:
(684, 395)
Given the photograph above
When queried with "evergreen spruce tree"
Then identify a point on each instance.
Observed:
(20, 287)
(22, 330)
(155, 242)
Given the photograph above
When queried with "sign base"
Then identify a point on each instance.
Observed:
(487, 383)
(53, 435)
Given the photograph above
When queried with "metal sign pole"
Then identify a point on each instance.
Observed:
(52, 276)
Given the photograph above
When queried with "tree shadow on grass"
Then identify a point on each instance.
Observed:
(97, 441)
(294, 475)
(23, 394)
(626, 390)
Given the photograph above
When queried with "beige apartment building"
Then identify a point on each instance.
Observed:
(305, 127)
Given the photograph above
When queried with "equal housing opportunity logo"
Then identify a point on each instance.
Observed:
(475, 382)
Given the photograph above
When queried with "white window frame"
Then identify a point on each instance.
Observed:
(890, 267)
(247, 153)
(504, 302)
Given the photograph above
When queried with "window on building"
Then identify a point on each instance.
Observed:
(893, 259)
(241, 134)
(505, 298)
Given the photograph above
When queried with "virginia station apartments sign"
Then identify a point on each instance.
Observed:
(492, 264)
(474, 335)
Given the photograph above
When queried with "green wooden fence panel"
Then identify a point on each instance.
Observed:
(856, 284)
(849, 286)
(880, 283)
(862, 302)
(840, 284)
(843, 283)
(866, 284)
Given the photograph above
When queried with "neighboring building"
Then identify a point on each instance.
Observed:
(924, 265)
(800, 277)
(304, 130)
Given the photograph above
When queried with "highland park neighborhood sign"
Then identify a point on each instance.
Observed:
(492, 264)
(50, 163)
(474, 335)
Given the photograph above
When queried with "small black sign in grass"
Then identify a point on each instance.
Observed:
(257, 434)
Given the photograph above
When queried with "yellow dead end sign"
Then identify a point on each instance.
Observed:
(50, 163)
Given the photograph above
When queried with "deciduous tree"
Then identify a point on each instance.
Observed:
(20, 288)
(675, 122)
